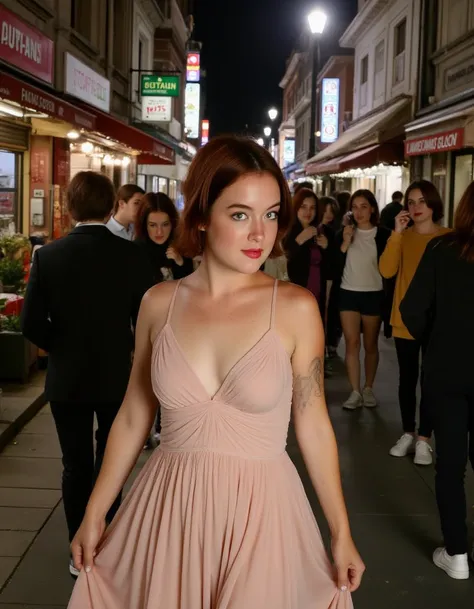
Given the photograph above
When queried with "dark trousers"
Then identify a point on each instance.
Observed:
(75, 427)
(408, 355)
(334, 327)
(453, 424)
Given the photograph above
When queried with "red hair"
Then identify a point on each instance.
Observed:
(216, 166)
(464, 224)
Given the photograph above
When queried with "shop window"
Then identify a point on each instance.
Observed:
(9, 195)
(399, 52)
(163, 185)
(364, 77)
(141, 181)
(173, 190)
(463, 176)
(120, 34)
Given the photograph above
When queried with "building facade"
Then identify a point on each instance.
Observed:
(440, 140)
(65, 106)
(385, 38)
(287, 131)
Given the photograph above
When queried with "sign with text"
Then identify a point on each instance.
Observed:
(204, 132)
(288, 152)
(329, 110)
(156, 109)
(193, 67)
(162, 86)
(84, 83)
(192, 109)
(27, 96)
(440, 142)
(25, 47)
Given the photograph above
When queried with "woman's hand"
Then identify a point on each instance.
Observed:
(172, 254)
(306, 234)
(348, 563)
(401, 221)
(322, 241)
(348, 234)
(85, 542)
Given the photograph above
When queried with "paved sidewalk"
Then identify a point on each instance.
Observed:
(391, 504)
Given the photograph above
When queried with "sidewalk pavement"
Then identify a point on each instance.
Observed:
(391, 504)
(19, 403)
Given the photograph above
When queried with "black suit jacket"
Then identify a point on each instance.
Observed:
(82, 298)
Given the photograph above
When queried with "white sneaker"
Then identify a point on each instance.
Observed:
(423, 453)
(354, 401)
(72, 569)
(369, 398)
(404, 446)
(455, 566)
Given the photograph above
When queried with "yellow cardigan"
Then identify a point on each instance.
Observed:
(401, 257)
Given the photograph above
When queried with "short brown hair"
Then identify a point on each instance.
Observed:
(431, 196)
(90, 196)
(216, 166)
(369, 196)
(155, 202)
(125, 193)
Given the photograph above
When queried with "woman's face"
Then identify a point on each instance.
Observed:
(362, 210)
(159, 227)
(130, 208)
(328, 216)
(417, 207)
(307, 212)
(243, 223)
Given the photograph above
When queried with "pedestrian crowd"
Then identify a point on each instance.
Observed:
(141, 311)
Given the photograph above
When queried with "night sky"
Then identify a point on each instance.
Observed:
(245, 46)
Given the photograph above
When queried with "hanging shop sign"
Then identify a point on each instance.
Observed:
(204, 132)
(163, 86)
(86, 84)
(25, 47)
(27, 96)
(440, 142)
(192, 109)
(156, 109)
(330, 110)
(288, 152)
(193, 67)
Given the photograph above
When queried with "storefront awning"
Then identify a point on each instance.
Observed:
(368, 131)
(136, 139)
(365, 157)
(30, 97)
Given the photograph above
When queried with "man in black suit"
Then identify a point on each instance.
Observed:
(82, 299)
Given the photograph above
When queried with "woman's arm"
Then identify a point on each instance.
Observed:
(126, 439)
(316, 436)
(418, 302)
(389, 262)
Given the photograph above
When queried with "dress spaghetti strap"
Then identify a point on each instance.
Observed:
(274, 296)
(173, 299)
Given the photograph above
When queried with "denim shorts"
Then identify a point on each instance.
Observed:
(365, 303)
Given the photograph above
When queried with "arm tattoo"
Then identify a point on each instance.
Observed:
(311, 385)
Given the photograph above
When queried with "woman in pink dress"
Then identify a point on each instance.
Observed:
(218, 517)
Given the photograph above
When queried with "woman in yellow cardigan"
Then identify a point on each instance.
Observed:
(415, 226)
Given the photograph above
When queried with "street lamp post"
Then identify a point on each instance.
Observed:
(317, 22)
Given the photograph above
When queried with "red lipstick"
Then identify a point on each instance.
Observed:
(253, 253)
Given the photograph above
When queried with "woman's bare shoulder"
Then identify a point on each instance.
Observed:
(156, 304)
(296, 305)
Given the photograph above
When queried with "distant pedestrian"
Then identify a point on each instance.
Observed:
(391, 211)
(438, 309)
(82, 299)
(127, 202)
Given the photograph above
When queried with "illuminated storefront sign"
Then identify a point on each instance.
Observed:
(288, 152)
(163, 86)
(192, 108)
(440, 142)
(204, 132)
(193, 67)
(156, 109)
(330, 110)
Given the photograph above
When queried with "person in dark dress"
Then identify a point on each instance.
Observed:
(157, 219)
(438, 311)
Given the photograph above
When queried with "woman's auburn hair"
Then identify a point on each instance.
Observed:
(216, 166)
(463, 233)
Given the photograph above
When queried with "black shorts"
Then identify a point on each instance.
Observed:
(365, 303)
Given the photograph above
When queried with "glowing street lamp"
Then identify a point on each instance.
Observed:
(267, 131)
(273, 113)
(317, 20)
(261, 141)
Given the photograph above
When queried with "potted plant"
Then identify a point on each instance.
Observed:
(17, 354)
(11, 275)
